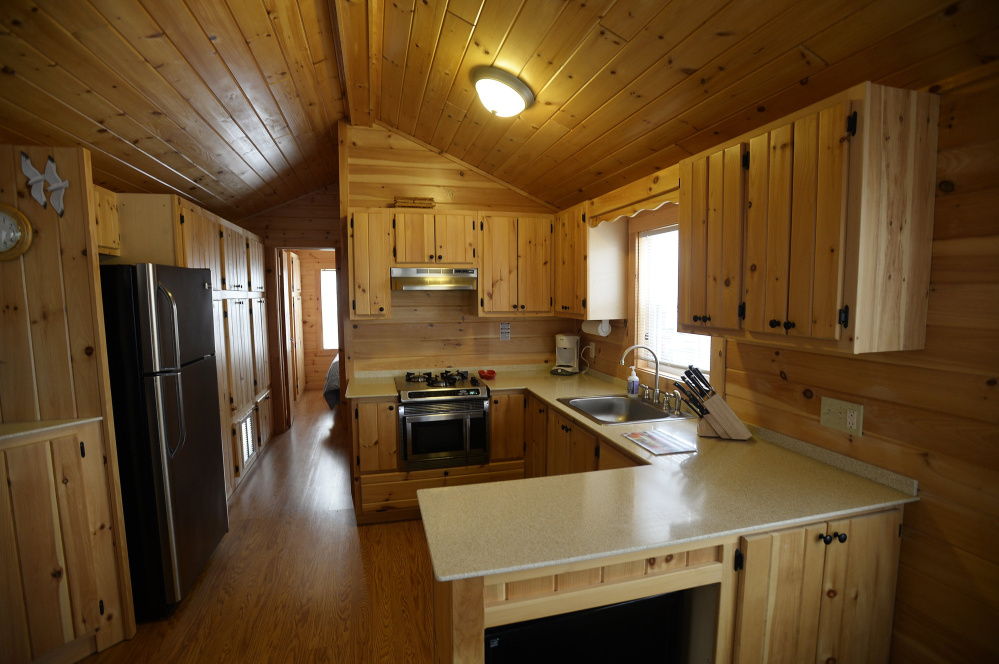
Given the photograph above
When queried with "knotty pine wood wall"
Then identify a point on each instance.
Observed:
(931, 414)
(317, 360)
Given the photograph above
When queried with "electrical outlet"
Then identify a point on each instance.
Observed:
(843, 416)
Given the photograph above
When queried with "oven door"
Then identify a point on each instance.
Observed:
(442, 437)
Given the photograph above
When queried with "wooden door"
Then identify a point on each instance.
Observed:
(202, 242)
(261, 358)
(265, 426)
(106, 219)
(456, 238)
(255, 258)
(222, 374)
(506, 427)
(298, 344)
(234, 270)
(370, 259)
(559, 445)
(536, 433)
(858, 589)
(414, 238)
(498, 277)
(239, 349)
(534, 265)
(377, 434)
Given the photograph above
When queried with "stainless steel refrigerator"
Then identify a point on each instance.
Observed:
(164, 390)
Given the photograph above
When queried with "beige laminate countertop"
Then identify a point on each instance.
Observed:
(726, 487)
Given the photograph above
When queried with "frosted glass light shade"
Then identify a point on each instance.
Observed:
(502, 93)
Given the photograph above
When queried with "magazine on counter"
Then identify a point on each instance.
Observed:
(659, 442)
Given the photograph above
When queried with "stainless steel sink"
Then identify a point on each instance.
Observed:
(620, 410)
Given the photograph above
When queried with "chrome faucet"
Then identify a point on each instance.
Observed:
(655, 393)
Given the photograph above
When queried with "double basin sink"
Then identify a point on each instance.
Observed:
(619, 409)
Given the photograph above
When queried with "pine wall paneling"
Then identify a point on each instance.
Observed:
(931, 414)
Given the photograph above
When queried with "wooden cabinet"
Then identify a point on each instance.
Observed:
(222, 375)
(239, 353)
(369, 260)
(590, 267)
(59, 577)
(201, 237)
(803, 599)
(376, 436)
(516, 274)
(255, 265)
(571, 448)
(265, 422)
(816, 230)
(261, 358)
(235, 273)
(423, 238)
(536, 434)
(609, 456)
(106, 219)
(506, 426)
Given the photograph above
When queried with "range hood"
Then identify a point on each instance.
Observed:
(434, 278)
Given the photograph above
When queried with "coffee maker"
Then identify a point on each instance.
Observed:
(566, 355)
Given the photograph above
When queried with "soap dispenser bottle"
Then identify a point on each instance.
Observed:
(633, 383)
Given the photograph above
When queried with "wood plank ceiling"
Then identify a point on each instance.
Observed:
(234, 103)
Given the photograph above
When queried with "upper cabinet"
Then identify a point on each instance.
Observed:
(426, 238)
(590, 267)
(516, 274)
(106, 219)
(816, 230)
(369, 260)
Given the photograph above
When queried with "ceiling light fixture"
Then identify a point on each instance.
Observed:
(502, 93)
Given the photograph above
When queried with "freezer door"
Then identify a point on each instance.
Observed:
(194, 513)
(175, 316)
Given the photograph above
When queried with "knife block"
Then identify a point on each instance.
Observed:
(721, 421)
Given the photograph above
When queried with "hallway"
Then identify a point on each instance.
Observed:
(295, 579)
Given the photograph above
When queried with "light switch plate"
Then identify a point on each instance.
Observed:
(843, 416)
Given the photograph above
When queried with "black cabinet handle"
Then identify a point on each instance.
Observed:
(440, 258)
(774, 323)
(788, 325)
(826, 538)
(541, 410)
(496, 401)
(697, 319)
(521, 306)
(381, 308)
(431, 256)
(839, 536)
(515, 306)
(391, 407)
(705, 318)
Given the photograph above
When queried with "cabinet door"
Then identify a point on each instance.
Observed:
(239, 348)
(234, 272)
(265, 427)
(370, 260)
(568, 265)
(202, 242)
(582, 450)
(255, 257)
(106, 218)
(559, 445)
(456, 239)
(610, 457)
(498, 277)
(414, 238)
(858, 589)
(506, 427)
(712, 208)
(536, 432)
(222, 372)
(534, 265)
(261, 359)
(377, 433)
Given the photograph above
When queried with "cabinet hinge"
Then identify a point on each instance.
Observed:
(231, 403)
(355, 412)
(480, 226)
(254, 385)
(83, 449)
(182, 219)
(393, 221)
(223, 281)
(100, 606)
(584, 217)
(745, 160)
(221, 235)
(358, 460)
(551, 228)
(473, 253)
(473, 225)
(584, 302)
(596, 451)
(551, 302)
(851, 124)
(844, 316)
(225, 314)
(256, 409)
(739, 561)
(353, 305)
(393, 252)
(742, 310)
(482, 302)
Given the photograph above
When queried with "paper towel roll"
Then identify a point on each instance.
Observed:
(601, 327)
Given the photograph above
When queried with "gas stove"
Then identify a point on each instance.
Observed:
(446, 385)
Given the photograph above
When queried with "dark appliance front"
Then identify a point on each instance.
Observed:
(164, 389)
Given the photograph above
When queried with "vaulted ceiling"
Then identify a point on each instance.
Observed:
(235, 103)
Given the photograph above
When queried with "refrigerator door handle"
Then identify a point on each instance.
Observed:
(170, 568)
(173, 321)
(181, 423)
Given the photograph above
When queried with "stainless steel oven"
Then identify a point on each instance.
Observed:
(444, 426)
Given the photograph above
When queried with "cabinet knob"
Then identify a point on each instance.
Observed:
(827, 539)
(541, 410)
(788, 325)
(774, 323)
(496, 401)
(430, 257)
(697, 319)
(521, 306)
(515, 306)
(447, 473)
(705, 318)
(381, 308)
(391, 407)
(839, 536)
(440, 257)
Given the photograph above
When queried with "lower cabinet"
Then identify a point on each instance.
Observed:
(823, 592)
(571, 448)
(262, 410)
(536, 438)
(59, 582)
(609, 456)
(506, 426)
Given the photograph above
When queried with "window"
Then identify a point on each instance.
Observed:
(656, 307)
(327, 300)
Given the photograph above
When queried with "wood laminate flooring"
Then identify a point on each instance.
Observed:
(295, 579)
